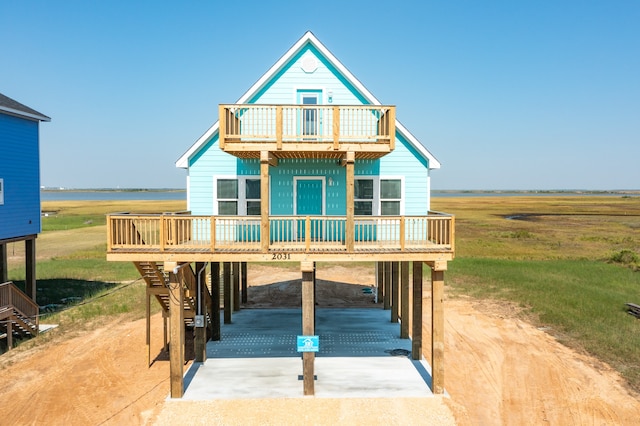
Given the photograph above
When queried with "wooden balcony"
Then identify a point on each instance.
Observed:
(187, 238)
(307, 131)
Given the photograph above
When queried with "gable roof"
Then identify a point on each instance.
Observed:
(308, 38)
(13, 107)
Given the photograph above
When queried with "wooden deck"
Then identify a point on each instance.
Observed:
(188, 238)
(307, 131)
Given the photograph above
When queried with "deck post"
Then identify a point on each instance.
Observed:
(176, 326)
(243, 275)
(30, 273)
(387, 285)
(437, 329)
(336, 127)
(404, 300)
(222, 125)
(308, 324)
(264, 201)
(147, 301)
(395, 292)
(380, 281)
(349, 162)
(416, 322)
(165, 320)
(228, 291)
(279, 127)
(236, 286)
(215, 301)
(200, 343)
(4, 269)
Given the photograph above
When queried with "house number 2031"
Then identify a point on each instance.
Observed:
(281, 256)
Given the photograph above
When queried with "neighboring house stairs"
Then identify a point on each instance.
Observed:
(18, 314)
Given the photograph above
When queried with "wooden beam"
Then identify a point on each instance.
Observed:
(380, 281)
(30, 273)
(176, 331)
(308, 325)
(4, 270)
(437, 330)
(10, 333)
(350, 225)
(404, 300)
(437, 265)
(295, 253)
(222, 126)
(416, 321)
(279, 127)
(387, 285)
(165, 320)
(395, 292)
(215, 301)
(392, 128)
(236, 286)
(147, 298)
(264, 201)
(200, 342)
(228, 291)
(336, 128)
(243, 275)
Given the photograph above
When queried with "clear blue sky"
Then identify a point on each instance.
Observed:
(536, 94)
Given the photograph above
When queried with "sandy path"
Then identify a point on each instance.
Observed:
(499, 370)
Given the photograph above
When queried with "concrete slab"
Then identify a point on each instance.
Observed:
(257, 358)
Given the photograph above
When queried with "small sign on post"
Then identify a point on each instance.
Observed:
(308, 343)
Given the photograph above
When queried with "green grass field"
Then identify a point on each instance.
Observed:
(569, 262)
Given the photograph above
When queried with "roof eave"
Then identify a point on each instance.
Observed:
(24, 114)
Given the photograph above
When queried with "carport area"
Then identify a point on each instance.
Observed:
(361, 355)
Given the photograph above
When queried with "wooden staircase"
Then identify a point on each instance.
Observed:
(19, 315)
(157, 285)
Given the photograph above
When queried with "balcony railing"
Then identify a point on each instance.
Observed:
(283, 127)
(243, 234)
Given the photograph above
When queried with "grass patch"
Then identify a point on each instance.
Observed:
(582, 301)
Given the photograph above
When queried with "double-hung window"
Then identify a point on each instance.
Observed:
(390, 197)
(1, 191)
(363, 197)
(238, 196)
(377, 197)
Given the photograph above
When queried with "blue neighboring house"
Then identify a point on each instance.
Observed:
(19, 183)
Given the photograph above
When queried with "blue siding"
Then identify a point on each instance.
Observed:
(281, 178)
(282, 89)
(20, 169)
(403, 162)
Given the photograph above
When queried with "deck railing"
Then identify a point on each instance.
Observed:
(12, 297)
(166, 233)
(335, 124)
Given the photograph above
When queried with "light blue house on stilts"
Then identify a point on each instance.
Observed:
(306, 166)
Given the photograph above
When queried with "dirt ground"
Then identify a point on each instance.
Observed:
(498, 369)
